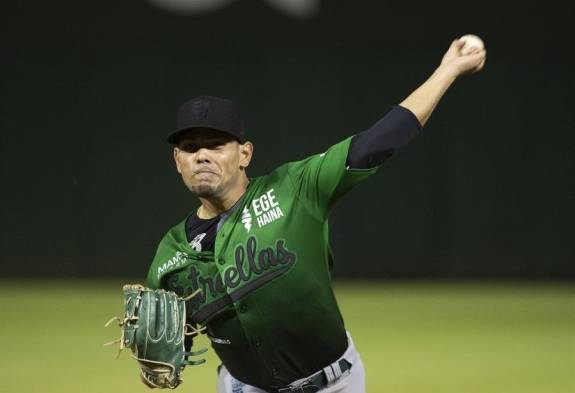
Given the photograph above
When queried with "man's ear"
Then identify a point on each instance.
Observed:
(246, 151)
(176, 151)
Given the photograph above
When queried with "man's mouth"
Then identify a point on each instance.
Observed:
(205, 175)
(204, 171)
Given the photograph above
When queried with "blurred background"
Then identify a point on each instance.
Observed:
(455, 264)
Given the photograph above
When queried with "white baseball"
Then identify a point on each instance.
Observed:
(471, 42)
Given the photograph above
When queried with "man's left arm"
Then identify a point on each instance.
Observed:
(373, 146)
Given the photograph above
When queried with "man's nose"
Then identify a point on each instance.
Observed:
(202, 155)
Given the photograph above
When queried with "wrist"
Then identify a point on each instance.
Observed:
(446, 72)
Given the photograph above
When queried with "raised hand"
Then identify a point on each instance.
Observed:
(461, 63)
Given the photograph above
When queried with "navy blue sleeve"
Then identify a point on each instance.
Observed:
(370, 148)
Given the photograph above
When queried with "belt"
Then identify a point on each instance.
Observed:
(319, 380)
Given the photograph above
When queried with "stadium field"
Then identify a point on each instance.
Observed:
(414, 337)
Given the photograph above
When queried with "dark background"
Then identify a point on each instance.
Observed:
(90, 90)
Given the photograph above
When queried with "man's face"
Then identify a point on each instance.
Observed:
(211, 162)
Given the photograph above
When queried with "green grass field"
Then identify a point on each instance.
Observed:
(413, 338)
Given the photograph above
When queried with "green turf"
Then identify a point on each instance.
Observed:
(413, 338)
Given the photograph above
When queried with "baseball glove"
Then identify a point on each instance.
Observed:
(154, 328)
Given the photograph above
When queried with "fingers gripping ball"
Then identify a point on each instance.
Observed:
(154, 327)
(471, 46)
(471, 43)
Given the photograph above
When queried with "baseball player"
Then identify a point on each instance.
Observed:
(258, 250)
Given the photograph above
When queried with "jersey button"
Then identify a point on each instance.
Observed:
(258, 343)
(275, 372)
(243, 308)
(221, 260)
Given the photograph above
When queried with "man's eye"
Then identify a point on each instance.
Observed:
(189, 147)
(192, 147)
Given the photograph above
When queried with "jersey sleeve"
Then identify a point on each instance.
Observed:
(320, 180)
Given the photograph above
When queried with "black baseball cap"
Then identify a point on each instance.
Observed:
(209, 112)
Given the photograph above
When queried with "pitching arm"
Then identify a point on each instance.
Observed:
(424, 99)
(373, 146)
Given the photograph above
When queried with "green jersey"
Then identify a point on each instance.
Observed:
(266, 293)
